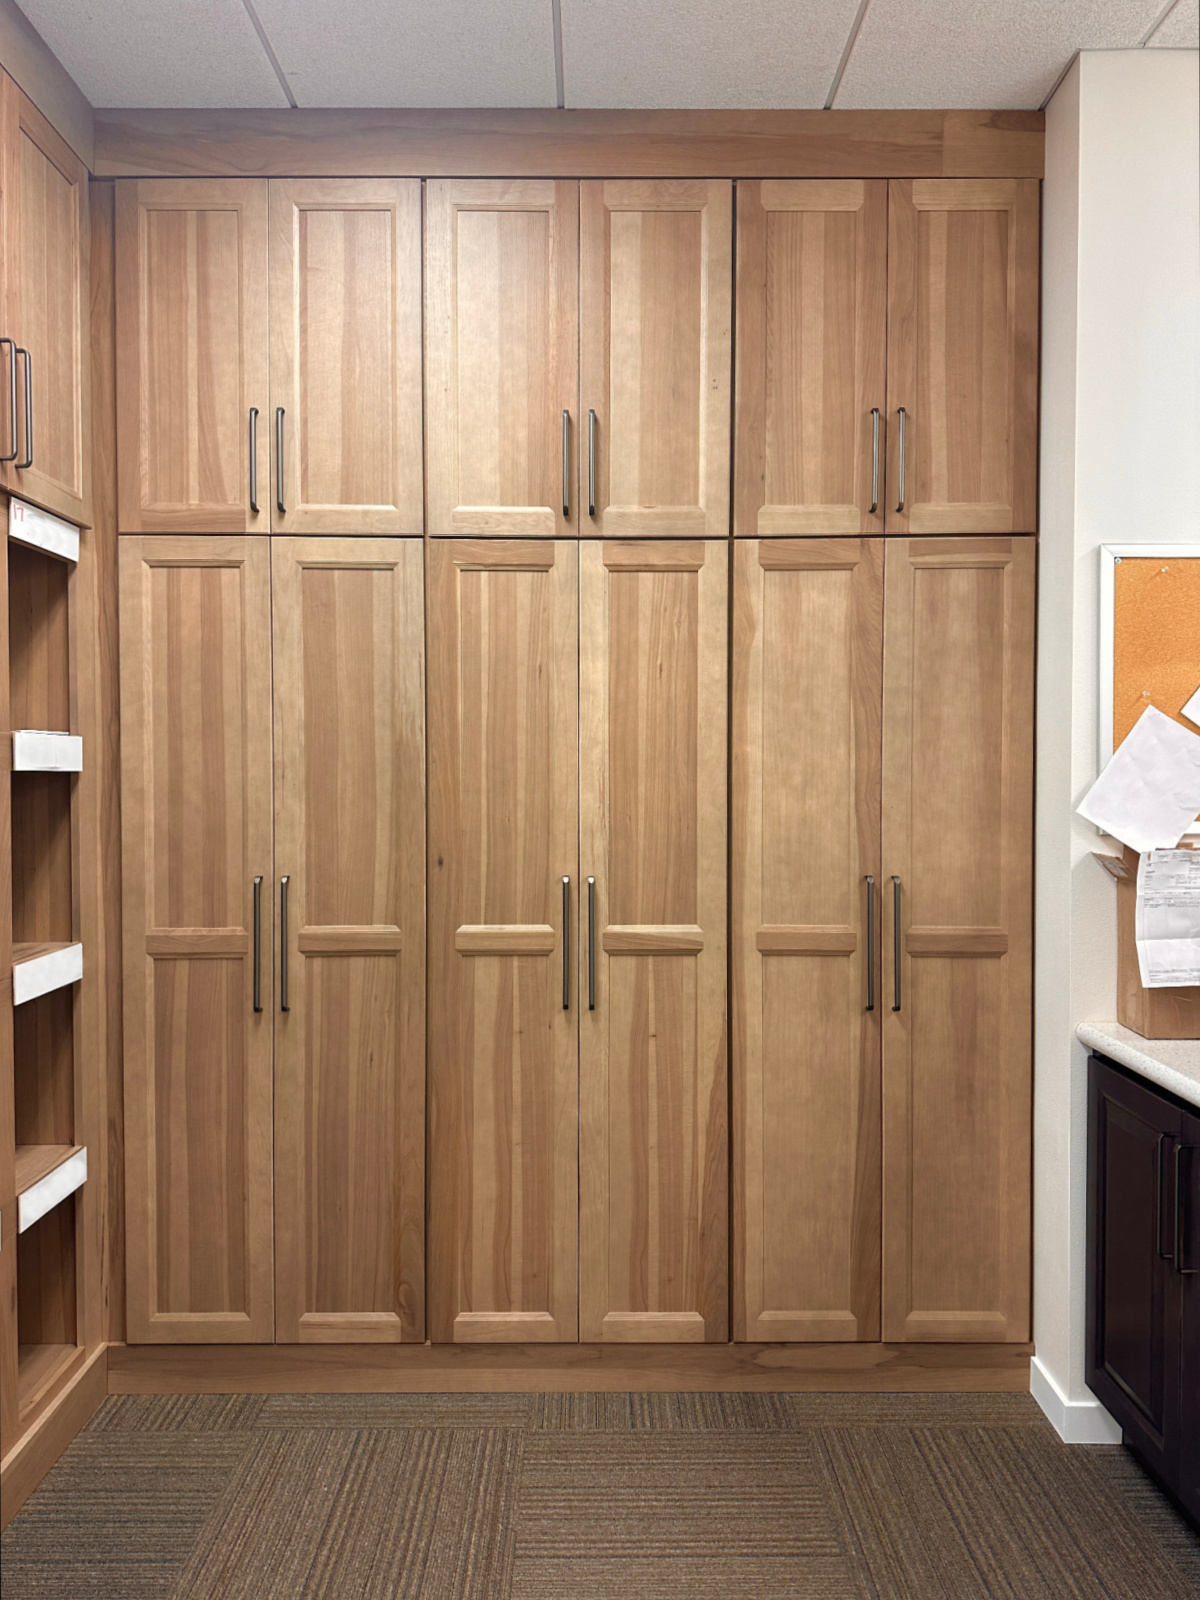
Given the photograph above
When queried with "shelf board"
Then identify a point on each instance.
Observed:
(38, 750)
(41, 966)
(29, 525)
(46, 1175)
(39, 1368)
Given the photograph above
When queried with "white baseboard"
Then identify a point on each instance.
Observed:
(1075, 1421)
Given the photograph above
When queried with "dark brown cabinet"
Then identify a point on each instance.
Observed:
(1143, 1335)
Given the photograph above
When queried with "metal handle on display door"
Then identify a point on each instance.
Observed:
(903, 415)
(258, 943)
(11, 454)
(566, 943)
(870, 942)
(254, 459)
(282, 509)
(874, 506)
(895, 943)
(591, 944)
(284, 1002)
(28, 461)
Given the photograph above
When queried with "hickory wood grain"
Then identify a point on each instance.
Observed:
(957, 831)
(808, 643)
(653, 1119)
(655, 296)
(191, 355)
(811, 340)
(345, 310)
(503, 833)
(963, 354)
(44, 194)
(196, 828)
(502, 356)
(349, 700)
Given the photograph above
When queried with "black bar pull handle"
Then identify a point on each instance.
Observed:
(258, 943)
(895, 943)
(254, 459)
(14, 444)
(1164, 1140)
(28, 461)
(279, 505)
(870, 942)
(1181, 1212)
(284, 1001)
(566, 943)
(591, 944)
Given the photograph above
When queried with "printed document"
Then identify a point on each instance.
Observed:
(1167, 920)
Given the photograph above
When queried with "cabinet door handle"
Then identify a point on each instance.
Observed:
(870, 942)
(903, 415)
(566, 943)
(1160, 1173)
(566, 463)
(874, 506)
(284, 1003)
(28, 461)
(254, 459)
(14, 444)
(591, 944)
(258, 943)
(279, 460)
(895, 943)
(1181, 1211)
(591, 463)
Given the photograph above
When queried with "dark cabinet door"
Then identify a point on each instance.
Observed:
(1188, 1189)
(1134, 1289)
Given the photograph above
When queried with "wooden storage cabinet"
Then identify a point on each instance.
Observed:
(45, 445)
(1143, 1349)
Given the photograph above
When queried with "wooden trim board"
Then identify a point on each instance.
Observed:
(569, 144)
(31, 1458)
(31, 64)
(537, 1368)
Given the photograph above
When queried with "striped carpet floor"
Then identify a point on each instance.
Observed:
(593, 1497)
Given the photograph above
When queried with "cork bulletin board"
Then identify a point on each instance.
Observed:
(1149, 635)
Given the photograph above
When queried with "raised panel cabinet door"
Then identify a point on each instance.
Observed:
(196, 858)
(346, 355)
(1134, 1285)
(192, 395)
(349, 624)
(656, 289)
(811, 346)
(962, 355)
(807, 666)
(653, 1068)
(503, 878)
(502, 357)
(46, 245)
(957, 864)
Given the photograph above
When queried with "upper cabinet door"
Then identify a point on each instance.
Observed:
(45, 237)
(962, 355)
(348, 625)
(655, 307)
(957, 864)
(653, 1192)
(346, 356)
(191, 258)
(812, 300)
(502, 357)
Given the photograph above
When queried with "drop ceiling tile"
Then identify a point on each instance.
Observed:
(414, 52)
(995, 53)
(1181, 30)
(702, 53)
(159, 52)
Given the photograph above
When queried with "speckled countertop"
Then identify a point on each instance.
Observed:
(1172, 1063)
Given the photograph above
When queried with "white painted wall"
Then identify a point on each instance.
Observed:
(1120, 463)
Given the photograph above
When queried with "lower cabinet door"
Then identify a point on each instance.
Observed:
(348, 903)
(653, 1070)
(808, 644)
(1188, 1190)
(1134, 1289)
(503, 998)
(196, 829)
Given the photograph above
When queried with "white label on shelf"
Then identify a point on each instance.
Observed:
(47, 1192)
(37, 751)
(29, 525)
(52, 971)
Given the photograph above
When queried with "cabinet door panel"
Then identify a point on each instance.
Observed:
(653, 1122)
(1189, 1368)
(812, 301)
(46, 241)
(196, 825)
(502, 357)
(963, 354)
(348, 621)
(808, 642)
(346, 355)
(655, 307)
(957, 834)
(191, 267)
(503, 834)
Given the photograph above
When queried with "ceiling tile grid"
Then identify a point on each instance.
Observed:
(922, 54)
(159, 52)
